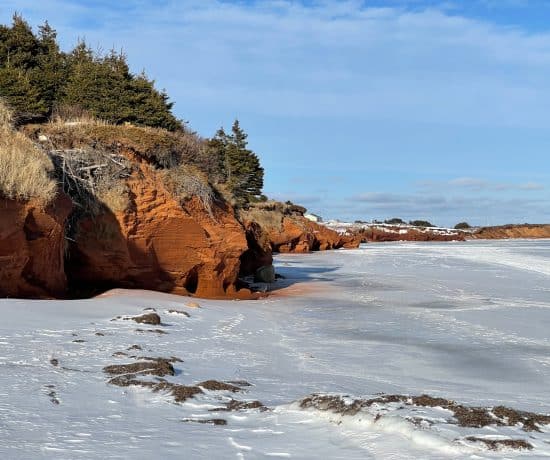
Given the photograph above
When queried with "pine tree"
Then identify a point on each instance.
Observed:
(19, 54)
(19, 47)
(36, 77)
(150, 107)
(97, 85)
(242, 166)
(216, 156)
(21, 94)
(49, 75)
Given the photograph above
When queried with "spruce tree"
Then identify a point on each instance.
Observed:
(22, 96)
(19, 47)
(50, 73)
(150, 107)
(243, 170)
(36, 76)
(216, 156)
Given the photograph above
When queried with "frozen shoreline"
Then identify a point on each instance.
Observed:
(466, 321)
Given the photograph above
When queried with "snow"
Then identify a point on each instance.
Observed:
(466, 321)
(400, 229)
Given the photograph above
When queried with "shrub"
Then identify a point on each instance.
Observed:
(394, 221)
(421, 223)
(269, 214)
(116, 197)
(462, 226)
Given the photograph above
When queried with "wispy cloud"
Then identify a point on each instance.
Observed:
(329, 58)
(447, 210)
(474, 184)
(531, 186)
(282, 64)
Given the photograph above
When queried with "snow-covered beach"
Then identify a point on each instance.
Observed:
(461, 321)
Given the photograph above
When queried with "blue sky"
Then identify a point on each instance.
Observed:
(357, 109)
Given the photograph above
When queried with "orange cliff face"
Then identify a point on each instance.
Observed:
(156, 241)
(386, 234)
(32, 247)
(300, 235)
(259, 253)
(512, 231)
(159, 244)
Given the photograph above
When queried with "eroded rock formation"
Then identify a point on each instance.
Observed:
(32, 247)
(146, 233)
(161, 244)
(374, 234)
(299, 235)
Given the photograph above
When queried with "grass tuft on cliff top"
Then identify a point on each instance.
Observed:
(25, 171)
(156, 145)
(87, 146)
(270, 214)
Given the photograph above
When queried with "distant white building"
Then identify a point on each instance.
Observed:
(313, 217)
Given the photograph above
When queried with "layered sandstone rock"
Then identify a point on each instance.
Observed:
(259, 253)
(512, 231)
(298, 234)
(151, 232)
(161, 244)
(32, 247)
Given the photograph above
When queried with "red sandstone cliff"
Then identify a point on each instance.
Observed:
(271, 230)
(512, 231)
(160, 244)
(298, 234)
(373, 234)
(32, 247)
(157, 240)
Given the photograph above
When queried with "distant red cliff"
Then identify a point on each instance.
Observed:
(512, 231)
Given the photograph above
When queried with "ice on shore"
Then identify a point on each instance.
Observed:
(464, 321)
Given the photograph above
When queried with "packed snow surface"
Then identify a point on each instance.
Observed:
(464, 321)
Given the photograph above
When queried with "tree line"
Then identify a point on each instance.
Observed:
(38, 81)
(37, 78)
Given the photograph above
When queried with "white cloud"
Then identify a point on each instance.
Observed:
(446, 209)
(474, 184)
(339, 60)
(329, 59)
(531, 186)
(469, 182)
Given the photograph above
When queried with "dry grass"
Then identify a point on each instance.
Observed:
(5, 116)
(185, 182)
(116, 198)
(158, 146)
(73, 115)
(269, 214)
(25, 171)
(82, 149)
(267, 218)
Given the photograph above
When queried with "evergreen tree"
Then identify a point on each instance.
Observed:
(150, 107)
(37, 76)
(242, 166)
(216, 156)
(50, 73)
(19, 47)
(21, 94)
(96, 85)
